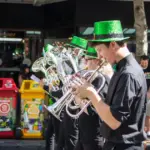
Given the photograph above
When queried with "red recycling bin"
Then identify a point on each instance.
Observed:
(8, 105)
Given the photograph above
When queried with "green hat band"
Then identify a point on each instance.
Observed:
(91, 54)
(106, 36)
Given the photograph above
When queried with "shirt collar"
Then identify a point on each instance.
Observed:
(123, 62)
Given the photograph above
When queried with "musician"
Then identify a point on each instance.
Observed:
(68, 131)
(90, 137)
(24, 74)
(144, 62)
(53, 127)
(123, 112)
(78, 46)
(69, 126)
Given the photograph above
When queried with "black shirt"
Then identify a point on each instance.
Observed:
(127, 100)
(89, 125)
(55, 94)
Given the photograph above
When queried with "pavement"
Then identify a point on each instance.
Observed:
(22, 144)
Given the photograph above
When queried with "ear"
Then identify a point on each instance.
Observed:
(113, 46)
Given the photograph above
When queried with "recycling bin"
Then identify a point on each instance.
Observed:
(8, 106)
(32, 112)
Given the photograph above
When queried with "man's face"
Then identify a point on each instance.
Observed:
(27, 70)
(107, 53)
(92, 63)
(144, 64)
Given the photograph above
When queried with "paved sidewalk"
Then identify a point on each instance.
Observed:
(22, 144)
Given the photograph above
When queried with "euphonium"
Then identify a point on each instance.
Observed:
(40, 65)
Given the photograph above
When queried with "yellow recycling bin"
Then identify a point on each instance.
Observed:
(32, 113)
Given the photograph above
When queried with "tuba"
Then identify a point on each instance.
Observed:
(45, 65)
(39, 65)
(66, 65)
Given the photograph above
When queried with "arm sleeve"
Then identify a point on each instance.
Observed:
(97, 83)
(57, 94)
(123, 97)
(46, 88)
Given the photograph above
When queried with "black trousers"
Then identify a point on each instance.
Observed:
(70, 129)
(61, 138)
(87, 146)
(52, 133)
(122, 146)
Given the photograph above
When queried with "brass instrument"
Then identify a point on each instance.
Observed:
(67, 99)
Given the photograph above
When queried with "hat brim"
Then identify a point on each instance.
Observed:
(109, 39)
(75, 46)
(86, 55)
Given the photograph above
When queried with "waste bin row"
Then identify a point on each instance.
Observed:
(21, 111)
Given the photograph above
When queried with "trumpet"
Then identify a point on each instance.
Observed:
(58, 106)
(85, 102)
(67, 99)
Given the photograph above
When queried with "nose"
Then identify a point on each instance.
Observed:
(100, 56)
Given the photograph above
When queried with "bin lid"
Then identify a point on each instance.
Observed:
(31, 86)
(8, 84)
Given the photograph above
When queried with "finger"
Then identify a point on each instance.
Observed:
(79, 80)
(74, 88)
(83, 79)
(78, 75)
(75, 92)
(86, 82)
(72, 84)
(76, 83)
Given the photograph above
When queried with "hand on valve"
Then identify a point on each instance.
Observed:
(81, 88)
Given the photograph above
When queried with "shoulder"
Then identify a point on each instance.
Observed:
(134, 72)
(133, 80)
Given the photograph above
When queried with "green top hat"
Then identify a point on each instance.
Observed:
(108, 31)
(78, 42)
(47, 48)
(91, 53)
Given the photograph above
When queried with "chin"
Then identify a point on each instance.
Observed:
(109, 61)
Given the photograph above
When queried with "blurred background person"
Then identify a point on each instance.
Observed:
(24, 74)
(144, 62)
(147, 121)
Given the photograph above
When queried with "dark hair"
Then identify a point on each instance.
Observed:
(144, 57)
(120, 43)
